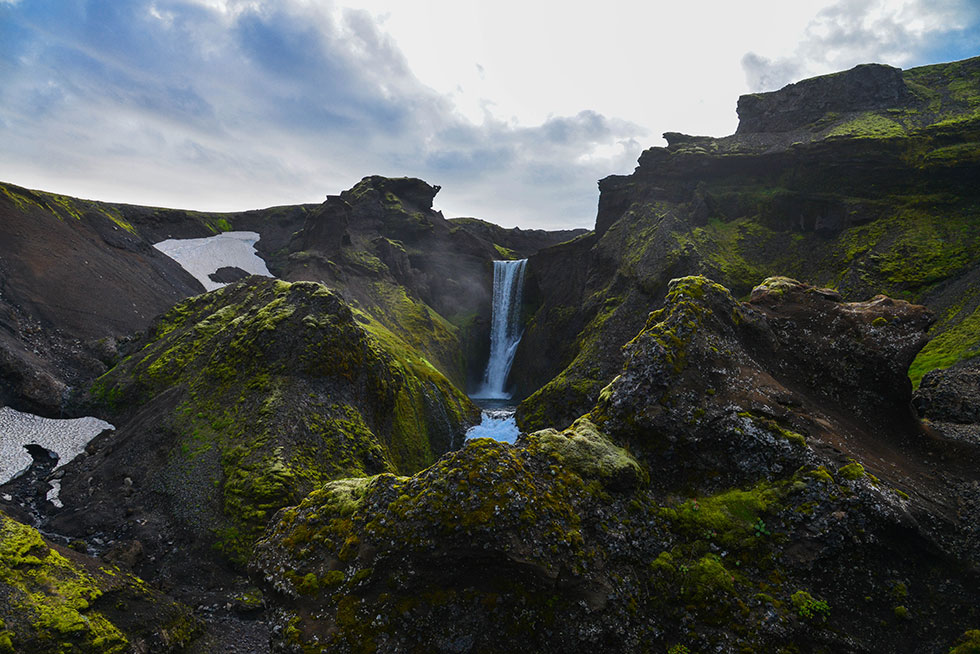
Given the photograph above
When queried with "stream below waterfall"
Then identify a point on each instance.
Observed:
(497, 421)
(505, 334)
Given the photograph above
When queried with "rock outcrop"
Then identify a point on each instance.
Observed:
(868, 87)
(950, 400)
(737, 488)
(55, 599)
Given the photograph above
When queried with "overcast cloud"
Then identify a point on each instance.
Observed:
(225, 104)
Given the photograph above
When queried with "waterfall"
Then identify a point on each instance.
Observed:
(505, 327)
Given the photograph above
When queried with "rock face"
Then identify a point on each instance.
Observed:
(868, 87)
(735, 489)
(239, 402)
(950, 400)
(861, 181)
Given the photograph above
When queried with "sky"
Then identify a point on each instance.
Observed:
(516, 109)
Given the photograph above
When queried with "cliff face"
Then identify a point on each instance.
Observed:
(863, 181)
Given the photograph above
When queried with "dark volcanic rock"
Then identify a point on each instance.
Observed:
(325, 229)
(863, 88)
(950, 400)
(70, 277)
(228, 275)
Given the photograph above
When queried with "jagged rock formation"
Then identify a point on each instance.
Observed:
(758, 505)
(862, 181)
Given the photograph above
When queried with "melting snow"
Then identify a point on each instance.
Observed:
(203, 256)
(66, 438)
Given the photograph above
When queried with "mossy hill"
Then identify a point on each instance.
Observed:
(758, 507)
(240, 401)
(864, 181)
(54, 599)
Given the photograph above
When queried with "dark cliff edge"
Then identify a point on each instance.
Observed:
(863, 181)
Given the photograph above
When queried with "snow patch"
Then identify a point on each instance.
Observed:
(66, 438)
(203, 256)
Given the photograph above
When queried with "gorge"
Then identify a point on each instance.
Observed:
(748, 407)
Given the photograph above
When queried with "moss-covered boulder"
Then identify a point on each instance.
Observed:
(734, 390)
(469, 550)
(56, 600)
(239, 402)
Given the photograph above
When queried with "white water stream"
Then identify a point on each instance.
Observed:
(505, 335)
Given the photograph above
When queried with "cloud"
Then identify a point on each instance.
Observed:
(218, 104)
(850, 32)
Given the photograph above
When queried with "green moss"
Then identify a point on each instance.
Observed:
(959, 342)
(587, 452)
(57, 596)
(852, 471)
(809, 608)
(869, 125)
(968, 643)
(505, 253)
(729, 517)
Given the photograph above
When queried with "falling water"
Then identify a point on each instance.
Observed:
(505, 327)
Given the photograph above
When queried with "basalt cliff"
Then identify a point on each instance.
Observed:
(751, 412)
